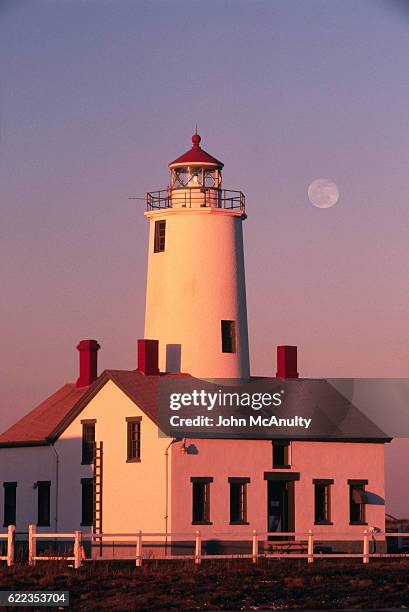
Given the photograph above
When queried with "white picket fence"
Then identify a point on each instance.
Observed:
(33, 536)
(305, 540)
(10, 537)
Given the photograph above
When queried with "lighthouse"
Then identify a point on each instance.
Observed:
(196, 291)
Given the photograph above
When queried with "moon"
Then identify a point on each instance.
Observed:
(323, 193)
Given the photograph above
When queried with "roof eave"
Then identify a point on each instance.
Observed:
(184, 163)
(20, 443)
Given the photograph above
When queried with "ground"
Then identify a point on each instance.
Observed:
(220, 585)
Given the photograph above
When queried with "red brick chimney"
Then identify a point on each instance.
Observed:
(148, 357)
(88, 362)
(287, 362)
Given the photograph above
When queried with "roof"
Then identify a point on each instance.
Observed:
(35, 426)
(196, 156)
(45, 423)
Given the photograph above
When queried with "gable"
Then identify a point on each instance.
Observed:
(45, 424)
(109, 407)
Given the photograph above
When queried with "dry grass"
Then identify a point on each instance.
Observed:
(220, 585)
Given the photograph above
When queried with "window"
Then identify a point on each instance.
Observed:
(133, 425)
(211, 178)
(88, 441)
(357, 501)
(43, 500)
(180, 177)
(238, 500)
(201, 500)
(87, 514)
(322, 501)
(9, 503)
(228, 337)
(281, 454)
(160, 234)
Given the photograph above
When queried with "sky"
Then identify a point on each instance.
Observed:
(97, 96)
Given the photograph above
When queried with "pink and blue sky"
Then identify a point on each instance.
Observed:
(97, 96)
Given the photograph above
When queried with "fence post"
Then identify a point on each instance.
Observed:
(255, 547)
(77, 550)
(138, 561)
(32, 545)
(310, 549)
(198, 549)
(365, 557)
(10, 545)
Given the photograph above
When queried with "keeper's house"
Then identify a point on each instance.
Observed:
(90, 457)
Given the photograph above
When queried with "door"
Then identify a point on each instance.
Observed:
(280, 511)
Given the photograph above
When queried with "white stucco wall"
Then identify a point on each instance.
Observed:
(221, 459)
(27, 465)
(133, 493)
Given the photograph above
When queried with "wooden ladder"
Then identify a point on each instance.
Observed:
(98, 481)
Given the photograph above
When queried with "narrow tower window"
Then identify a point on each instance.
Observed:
(160, 234)
(228, 337)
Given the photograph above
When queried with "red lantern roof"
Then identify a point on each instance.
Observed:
(196, 156)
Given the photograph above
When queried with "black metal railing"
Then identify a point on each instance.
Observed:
(204, 197)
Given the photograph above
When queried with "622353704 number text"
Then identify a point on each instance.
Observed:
(34, 598)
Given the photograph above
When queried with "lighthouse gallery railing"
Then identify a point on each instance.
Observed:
(194, 197)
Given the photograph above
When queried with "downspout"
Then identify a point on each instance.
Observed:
(167, 490)
(57, 476)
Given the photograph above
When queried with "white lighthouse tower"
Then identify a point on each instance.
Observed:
(196, 293)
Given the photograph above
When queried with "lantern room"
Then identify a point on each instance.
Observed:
(195, 169)
(196, 182)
